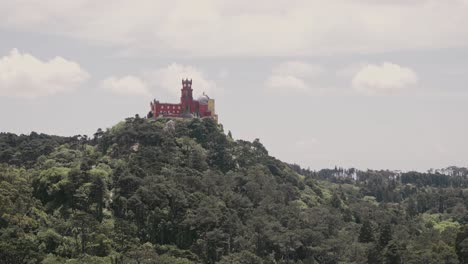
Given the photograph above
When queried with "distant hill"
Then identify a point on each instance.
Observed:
(184, 191)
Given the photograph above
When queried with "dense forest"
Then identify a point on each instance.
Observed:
(184, 191)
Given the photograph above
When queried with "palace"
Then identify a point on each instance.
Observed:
(204, 106)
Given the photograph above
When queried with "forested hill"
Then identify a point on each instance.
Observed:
(182, 191)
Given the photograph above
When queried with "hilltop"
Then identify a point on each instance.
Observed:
(184, 191)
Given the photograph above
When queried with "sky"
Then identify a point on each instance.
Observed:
(322, 83)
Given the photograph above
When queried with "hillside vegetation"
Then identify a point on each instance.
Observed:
(182, 191)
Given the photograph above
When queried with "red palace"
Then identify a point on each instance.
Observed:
(204, 106)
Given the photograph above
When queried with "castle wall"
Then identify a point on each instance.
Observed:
(167, 109)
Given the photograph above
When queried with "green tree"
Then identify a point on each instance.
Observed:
(392, 253)
(461, 244)
(366, 234)
(385, 235)
(336, 201)
(243, 257)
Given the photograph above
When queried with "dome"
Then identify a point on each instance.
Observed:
(203, 99)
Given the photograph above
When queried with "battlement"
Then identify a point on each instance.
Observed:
(187, 83)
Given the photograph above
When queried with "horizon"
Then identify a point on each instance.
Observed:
(322, 84)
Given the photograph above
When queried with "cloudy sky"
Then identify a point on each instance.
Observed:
(354, 83)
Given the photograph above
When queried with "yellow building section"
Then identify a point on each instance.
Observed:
(211, 108)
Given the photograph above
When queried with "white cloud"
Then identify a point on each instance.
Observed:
(285, 84)
(23, 75)
(244, 27)
(162, 82)
(292, 76)
(387, 78)
(169, 79)
(349, 71)
(127, 85)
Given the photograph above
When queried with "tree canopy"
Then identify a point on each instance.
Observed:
(182, 191)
